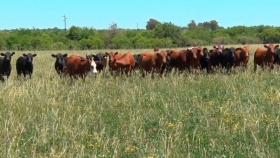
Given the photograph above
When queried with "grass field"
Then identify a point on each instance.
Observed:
(215, 115)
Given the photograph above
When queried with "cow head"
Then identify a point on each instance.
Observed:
(93, 67)
(246, 50)
(193, 52)
(29, 57)
(7, 56)
(219, 48)
(161, 56)
(60, 58)
(271, 48)
(113, 56)
(200, 52)
(90, 58)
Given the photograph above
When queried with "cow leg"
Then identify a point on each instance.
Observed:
(255, 67)
(143, 73)
(2, 78)
(271, 66)
(127, 72)
(153, 69)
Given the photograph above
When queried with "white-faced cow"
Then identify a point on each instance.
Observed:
(100, 59)
(78, 66)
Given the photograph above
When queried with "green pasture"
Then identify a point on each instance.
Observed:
(215, 115)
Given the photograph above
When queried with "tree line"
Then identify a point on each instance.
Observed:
(161, 34)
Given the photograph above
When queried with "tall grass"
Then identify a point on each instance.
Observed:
(215, 115)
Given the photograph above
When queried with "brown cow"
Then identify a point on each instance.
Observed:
(247, 54)
(78, 66)
(151, 62)
(113, 56)
(196, 61)
(183, 59)
(124, 62)
(216, 55)
(156, 49)
(265, 57)
(242, 56)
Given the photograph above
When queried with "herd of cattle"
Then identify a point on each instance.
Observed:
(193, 58)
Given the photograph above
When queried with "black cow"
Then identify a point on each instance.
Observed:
(137, 65)
(277, 56)
(228, 58)
(100, 60)
(61, 60)
(5, 65)
(205, 60)
(24, 65)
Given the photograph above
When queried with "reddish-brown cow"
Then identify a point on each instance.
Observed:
(265, 57)
(247, 54)
(113, 56)
(215, 55)
(242, 56)
(124, 62)
(151, 62)
(196, 61)
(183, 59)
(78, 66)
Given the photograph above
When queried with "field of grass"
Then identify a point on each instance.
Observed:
(215, 115)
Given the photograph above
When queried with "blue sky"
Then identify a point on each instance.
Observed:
(99, 14)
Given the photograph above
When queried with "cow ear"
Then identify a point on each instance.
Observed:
(54, 56)
(214, 47)
(34, 55)
(13, 53)
(24, 54)
(265, 46)
(277, 46)
(2, 54)
(116, 53)
(65, 55)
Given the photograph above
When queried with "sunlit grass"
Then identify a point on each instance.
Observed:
(213, 115)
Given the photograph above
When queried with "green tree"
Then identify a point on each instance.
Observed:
(151, 24)
(75, 33)
(121, 41)
(270, 35)
(214, 25)
(12, 42)
(97, 43)
(192, 25)
(170, 30)
(113, 30)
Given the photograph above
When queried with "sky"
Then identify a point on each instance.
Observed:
(133, 14)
